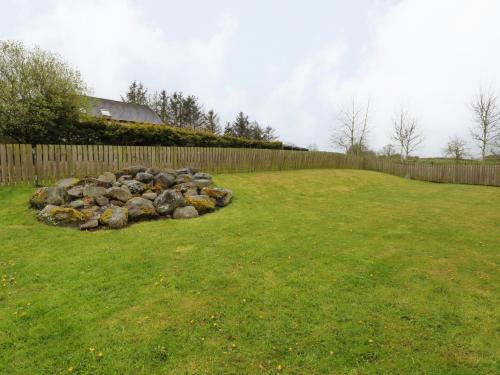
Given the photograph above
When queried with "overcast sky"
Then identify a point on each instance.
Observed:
(288, 64)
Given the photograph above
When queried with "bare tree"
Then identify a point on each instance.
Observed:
(487, 118)
(456, 148)
(406, 133)
(353, 128)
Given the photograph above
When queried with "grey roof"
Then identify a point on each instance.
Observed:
(122, 111)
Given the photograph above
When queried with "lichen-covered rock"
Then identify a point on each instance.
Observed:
(202, 176)
(202, 203)
(183, 178)
(133, 170)
(187, 212)
(140, 209)
(91, 224)
(152, 170)
(222, 196)
(168, 201)
(101, 201)
(116, 203)
(48, 195)
(124, 178)
(107, 177)
(77, 204)
(150, 195)
(61, 216)
(135, 187)
(93, 191)
(67, 183)
(144, 177)
(119, 194)
(75, 192)
(115, 217)
(164, 180)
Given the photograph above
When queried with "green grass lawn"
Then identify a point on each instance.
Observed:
(306, 272)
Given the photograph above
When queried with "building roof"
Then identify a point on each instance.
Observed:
(122, 111)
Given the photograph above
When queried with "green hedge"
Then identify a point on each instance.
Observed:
(117, 133)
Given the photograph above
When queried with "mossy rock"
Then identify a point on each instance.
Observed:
(61, 216)
(202, 203)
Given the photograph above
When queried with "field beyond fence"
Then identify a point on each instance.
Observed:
(21, 163)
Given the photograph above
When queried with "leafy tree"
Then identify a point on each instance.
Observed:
(39, 94)
(136, 94)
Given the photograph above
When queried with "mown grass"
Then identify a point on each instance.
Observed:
(306, 272)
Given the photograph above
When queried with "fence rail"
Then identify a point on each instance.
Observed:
(20, 163)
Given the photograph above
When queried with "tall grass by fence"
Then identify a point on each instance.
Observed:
(20, 163)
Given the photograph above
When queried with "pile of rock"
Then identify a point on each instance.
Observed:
(132, 194)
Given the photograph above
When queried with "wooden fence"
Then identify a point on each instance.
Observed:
(474, 174)
(21, 163)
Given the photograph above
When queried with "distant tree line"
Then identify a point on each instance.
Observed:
(186, 112)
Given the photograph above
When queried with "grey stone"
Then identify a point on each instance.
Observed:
(76, 191)
(114, 217)
(168, 201)
(151, 196)
(101, 201)
(93, 191)
(135, 187)
(124, 178)
(118, 193)
(107, 177)
(183, 178)
(202, 176)
(116, 203)
(61, 216)
(140, 209)
(187, 212)
(91, 224)
(133, 170)
(48, 195)
(76, 204)
(67, 183)
(152, 170)
(144, 177)
(202, 203)
(164, 180)
(222, 196)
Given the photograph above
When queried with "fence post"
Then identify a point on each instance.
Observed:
(34, 161)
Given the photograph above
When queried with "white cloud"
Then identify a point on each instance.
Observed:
(112, 43)
(431, 55)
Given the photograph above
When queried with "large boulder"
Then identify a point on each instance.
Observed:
(202, 203)
(67, 183)
(115, 217)
(222, 196)
(107, 177)
(187, 212)
(93, 191)
(164, 180)
(61, 216)
(168, 201)
(119, 194)
(140, 209)
(202, 176)
(75, 192)
(144, 177)
(135, 187)
(48, 196)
